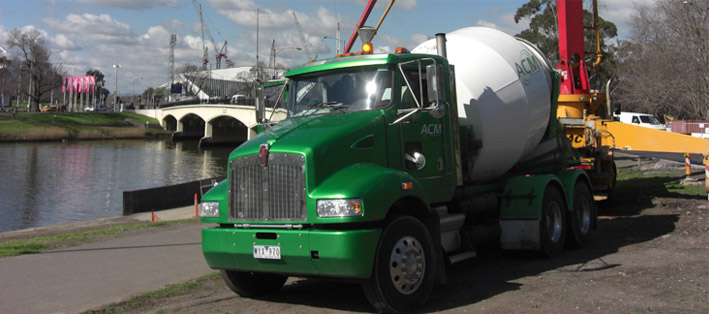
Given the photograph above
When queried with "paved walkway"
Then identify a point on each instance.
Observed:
(76, 279)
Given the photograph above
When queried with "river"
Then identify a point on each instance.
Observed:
(59, 182)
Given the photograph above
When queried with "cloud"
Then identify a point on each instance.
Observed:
(90, 27)
(62, 42)
(132, 4)
(621, 13)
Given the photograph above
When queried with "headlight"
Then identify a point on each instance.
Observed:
(340, 208)
(209, 209)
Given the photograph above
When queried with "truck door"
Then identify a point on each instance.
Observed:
(424, 140)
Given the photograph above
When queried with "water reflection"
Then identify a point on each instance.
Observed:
(49, 183)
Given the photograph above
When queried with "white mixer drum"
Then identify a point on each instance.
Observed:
(504, 91)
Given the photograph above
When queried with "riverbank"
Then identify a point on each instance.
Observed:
(25, 127)
(40, 239)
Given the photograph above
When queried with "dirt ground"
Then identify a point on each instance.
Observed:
(649, 254)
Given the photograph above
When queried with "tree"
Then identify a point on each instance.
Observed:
(34, 59)
(7, 81)
(665, 64)
(543, 32)
(194, 77)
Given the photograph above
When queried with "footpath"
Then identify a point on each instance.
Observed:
(76, 279)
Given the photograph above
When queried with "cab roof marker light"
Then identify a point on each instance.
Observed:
(400, 50)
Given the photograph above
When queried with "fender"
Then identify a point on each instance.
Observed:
(521, 210)
(569, 178)
(377, 186)
(523, 195)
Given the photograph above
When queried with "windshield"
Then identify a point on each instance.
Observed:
(650, 119)
(352, 90)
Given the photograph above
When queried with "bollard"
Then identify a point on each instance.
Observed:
(706, 176)
(154, 218)
(687, 164)
(195, 204)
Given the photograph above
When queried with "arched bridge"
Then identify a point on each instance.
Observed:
(212, 124)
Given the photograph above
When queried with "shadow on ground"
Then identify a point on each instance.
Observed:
(495, 271)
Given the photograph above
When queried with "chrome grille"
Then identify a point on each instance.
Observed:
(272, 193)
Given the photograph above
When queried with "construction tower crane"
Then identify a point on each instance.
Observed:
(205, 59)
(272, 58)
(302, 37)
(221, 53)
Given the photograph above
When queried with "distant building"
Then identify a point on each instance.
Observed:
(223, 83)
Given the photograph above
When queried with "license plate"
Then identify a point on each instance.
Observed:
(267, 252)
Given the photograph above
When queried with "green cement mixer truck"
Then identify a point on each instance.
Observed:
(390, 167)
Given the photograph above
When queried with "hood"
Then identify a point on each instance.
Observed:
(329, 142)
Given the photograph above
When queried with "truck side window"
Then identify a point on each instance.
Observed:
(636, 120)
(417, 89)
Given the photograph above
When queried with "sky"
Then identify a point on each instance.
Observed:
(96, 34)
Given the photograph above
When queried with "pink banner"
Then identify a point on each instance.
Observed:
(78, 84)
(69, 86)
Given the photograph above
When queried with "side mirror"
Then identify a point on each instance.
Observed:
(260, 105)
(436, 94)
(617, 109)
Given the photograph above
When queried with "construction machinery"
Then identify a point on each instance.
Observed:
(588, 115)
(302, 37)
(220, 52)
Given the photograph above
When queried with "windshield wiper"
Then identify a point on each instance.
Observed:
(329, 104)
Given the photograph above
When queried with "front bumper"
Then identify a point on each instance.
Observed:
(329, 253)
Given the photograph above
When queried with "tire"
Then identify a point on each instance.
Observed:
(583, 216)
(404, 267)
(552, 225)
(253, 285)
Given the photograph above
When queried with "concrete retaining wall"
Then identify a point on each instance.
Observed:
(166, 197)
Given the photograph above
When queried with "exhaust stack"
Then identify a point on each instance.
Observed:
(441, 44)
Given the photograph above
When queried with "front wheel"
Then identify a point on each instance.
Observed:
(250, 284)
(404, 267)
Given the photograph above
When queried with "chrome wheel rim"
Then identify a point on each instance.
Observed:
(553, 222)
(584, 214)
(407, 265)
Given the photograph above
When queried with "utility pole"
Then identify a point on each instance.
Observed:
(115, 92)
(171, 77)
(29, 92)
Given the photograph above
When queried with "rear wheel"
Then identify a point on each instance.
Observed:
(552, 225)
(582, 216)
(251, 284)
(404, 267)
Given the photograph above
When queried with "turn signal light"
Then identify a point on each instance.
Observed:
(407, 186)
(367, 48)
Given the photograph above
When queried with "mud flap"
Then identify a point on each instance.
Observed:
(520, 234)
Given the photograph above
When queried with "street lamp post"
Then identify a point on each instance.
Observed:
(276, 53)
(339, 41)
(115, 92)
